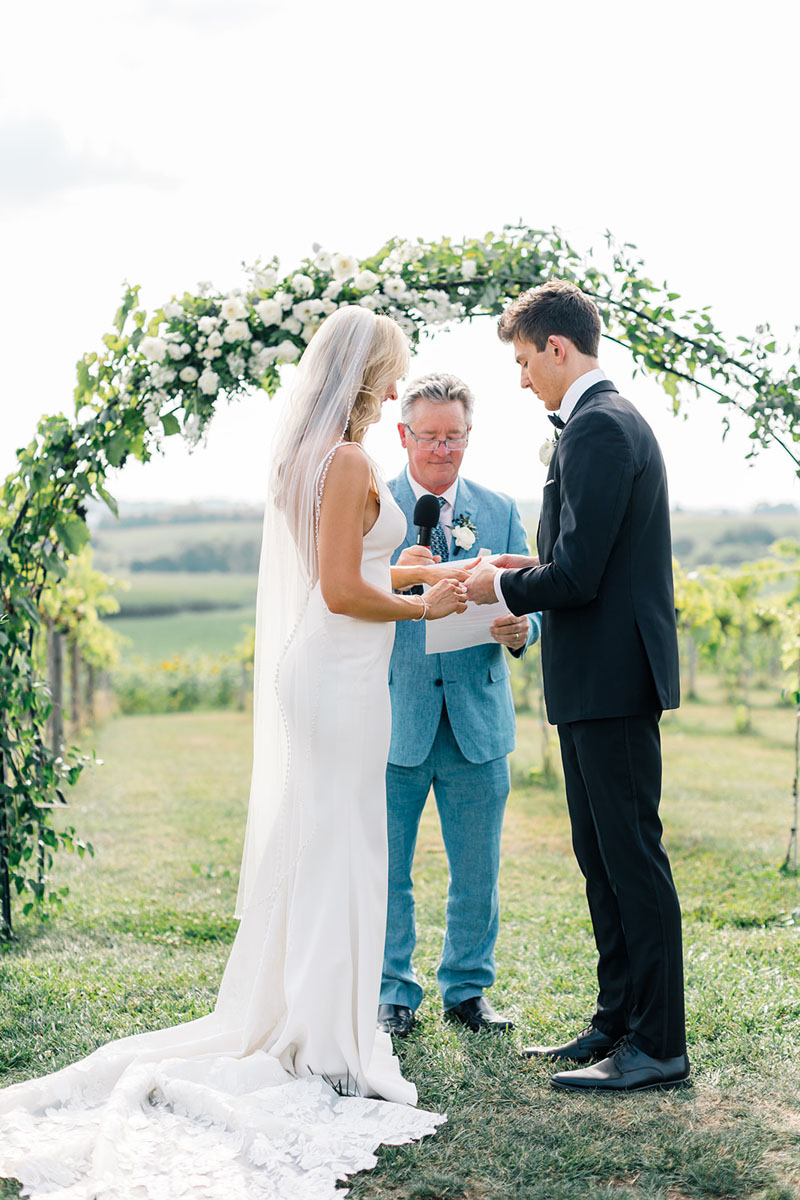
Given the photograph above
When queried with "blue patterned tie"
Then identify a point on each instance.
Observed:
(438, 537)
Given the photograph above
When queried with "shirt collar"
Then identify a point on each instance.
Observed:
(449, 496)
(576, 389)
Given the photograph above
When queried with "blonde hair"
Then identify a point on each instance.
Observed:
(387, 362)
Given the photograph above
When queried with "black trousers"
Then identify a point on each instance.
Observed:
(612, 770)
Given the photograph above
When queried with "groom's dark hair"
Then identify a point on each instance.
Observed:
(557, 307)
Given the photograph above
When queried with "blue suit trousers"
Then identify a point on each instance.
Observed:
(471, 799)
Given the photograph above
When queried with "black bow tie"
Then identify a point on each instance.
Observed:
(556, 420)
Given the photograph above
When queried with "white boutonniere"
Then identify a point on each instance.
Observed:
(464, 532)
(546, 451)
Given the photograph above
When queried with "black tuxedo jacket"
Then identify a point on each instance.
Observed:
(604, 583)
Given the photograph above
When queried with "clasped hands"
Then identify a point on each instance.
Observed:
(509, 631)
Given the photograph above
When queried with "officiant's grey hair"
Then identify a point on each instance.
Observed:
(439, 388)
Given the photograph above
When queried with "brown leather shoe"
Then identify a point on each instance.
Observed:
(588, 1046)
(477, 1014)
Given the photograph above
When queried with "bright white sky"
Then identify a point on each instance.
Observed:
(166, 141)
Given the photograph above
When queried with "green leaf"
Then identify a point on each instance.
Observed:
(73, 532)
(108, 498)
(170, 423)
(117, 447)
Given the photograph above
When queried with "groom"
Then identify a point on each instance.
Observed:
(610, 658)
(452, 724)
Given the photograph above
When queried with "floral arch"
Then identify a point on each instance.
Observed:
(162, 374)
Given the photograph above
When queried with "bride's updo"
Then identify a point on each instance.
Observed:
(387, 361)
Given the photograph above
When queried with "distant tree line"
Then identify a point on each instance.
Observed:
(240, 557)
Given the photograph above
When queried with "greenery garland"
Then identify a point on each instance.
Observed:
(162, 374)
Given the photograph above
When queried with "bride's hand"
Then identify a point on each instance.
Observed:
(445, 597)
(515, 561)
(447, 570)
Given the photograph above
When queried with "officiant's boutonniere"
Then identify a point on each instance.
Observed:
(464, 532)
(546, 450)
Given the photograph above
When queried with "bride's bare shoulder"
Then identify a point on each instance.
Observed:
(349, 464)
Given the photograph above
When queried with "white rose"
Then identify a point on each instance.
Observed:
(344, 265)
(208, 382)
(291, 325)
(546, 451)
(285, 299)
(328, 307)
(308, 331)
(173, 310)
(406, 324)
(287, 352)
(395, 287)
(215, 339)
(153, 348)
(177, 352)
(365, 281)
(207, 325)
(269, 312)
(463, 537)
(188, 374)
(162, 375)
(332, 291)
(236, 364)
(233, 308)
(307, 309)
(322, 260)
(370, 302)
(264, 278)
(469, 268)
(237, 331)
(301, 285)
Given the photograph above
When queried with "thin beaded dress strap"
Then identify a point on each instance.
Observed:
(321, 476)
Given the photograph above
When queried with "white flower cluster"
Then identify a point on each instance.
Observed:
(248, 331)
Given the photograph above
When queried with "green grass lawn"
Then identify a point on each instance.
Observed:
(145, 935)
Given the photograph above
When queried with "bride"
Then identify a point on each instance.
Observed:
(287, 1086)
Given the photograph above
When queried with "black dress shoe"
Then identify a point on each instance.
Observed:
(395, 1019)
(588, 1046)
(628, 1069)
(477, 1013)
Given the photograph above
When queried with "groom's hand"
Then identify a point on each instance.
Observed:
(510, 631)
(480, 585)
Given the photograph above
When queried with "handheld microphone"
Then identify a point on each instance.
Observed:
(427, 511)
(426, 517)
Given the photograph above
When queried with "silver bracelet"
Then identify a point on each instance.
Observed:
(424, 612)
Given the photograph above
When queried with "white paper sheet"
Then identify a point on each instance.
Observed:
(470, 628)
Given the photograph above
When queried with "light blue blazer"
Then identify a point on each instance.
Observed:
(474, 682)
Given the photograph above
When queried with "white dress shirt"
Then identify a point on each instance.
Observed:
(449, 497)
(571, 397)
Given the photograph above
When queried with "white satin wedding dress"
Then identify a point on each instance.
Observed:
(287, 1086)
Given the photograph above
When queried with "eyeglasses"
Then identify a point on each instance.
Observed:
(434, 443)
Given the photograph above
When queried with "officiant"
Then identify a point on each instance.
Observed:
(452, 723)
